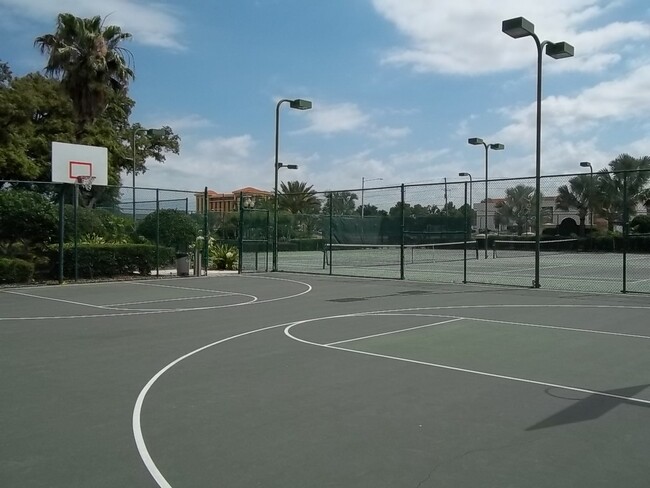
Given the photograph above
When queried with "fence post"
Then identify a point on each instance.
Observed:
(331, 222)
(76, 231)
(206, 237)
(157, 232)
(401, 243)
(268, 238)
(61, 231)
(240, 244)
(626, 217)
(465, 215)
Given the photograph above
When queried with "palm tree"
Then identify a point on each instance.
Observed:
(298, 198)
(576, 195)
(88, 59)
(518, 207)
(343, 203)
(624, 171)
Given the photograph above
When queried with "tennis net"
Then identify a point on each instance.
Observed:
(364, 255)
(516, 249)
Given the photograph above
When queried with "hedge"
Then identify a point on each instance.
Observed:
(108, 260)
(15, 270)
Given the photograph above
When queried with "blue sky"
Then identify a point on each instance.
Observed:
(397, 85)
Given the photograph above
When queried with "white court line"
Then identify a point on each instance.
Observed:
(128, 313)
(137, 411)
(521, 324)
(168, 300)
(145, 283)
(394, 331)
(462, 370)
(61, 300)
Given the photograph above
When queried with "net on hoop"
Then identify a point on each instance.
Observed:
(86, 182)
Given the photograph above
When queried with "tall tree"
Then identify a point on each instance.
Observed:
(34, 111)
(518, 207)
(628, 171)
(5, 75)
(577, 195)
(88, 59)
(343, 203)
(298, 197)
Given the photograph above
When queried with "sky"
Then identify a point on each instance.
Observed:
(398, 86)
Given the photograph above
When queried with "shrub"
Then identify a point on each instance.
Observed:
(26, 217)
(175, 229)
(223, 256)
(107, 260)
(102, 223)
(640, 224)
(15, 271)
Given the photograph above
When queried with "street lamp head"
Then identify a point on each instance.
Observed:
(559, 50)
(518, 27)
(475, 141)
(288, 166)
(585, 164)
(497, 147)
(300, 104)
(464, 174)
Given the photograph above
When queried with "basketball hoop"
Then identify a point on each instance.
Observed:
(86, 182)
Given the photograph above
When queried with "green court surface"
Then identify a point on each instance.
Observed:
(283, 379)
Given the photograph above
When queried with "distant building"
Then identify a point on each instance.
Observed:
(552, 217)
(229, 202)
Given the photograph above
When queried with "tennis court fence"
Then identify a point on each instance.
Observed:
(594, 231)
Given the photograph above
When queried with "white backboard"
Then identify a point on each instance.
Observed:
(72, 160)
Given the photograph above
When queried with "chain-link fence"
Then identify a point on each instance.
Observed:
(64, 231)
(594, 233)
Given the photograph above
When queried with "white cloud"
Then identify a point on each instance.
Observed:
(151, 23)
(623, 99)
(455, 37)
(221, 163)
(183, 123)
(341, 117)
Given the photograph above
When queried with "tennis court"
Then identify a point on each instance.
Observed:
(286, 379)
(563, 266)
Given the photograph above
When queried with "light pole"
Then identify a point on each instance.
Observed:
(298, 104)
(470, 188)
(150, 132)
(586, 164)
(364, 180)
(477, 141)
(516, 28)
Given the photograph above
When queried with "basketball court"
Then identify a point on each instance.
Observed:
(283, 380)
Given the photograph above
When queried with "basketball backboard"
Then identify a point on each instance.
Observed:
(70, 161)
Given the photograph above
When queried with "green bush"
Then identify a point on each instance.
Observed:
(15, 271)
(26, 217)
(98, 222)
(108, 260)
(223, 256)
(174, 229)
(640, 224)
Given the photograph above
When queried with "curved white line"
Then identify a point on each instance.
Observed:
(137, 410)
(129, 312)
(462, 370)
